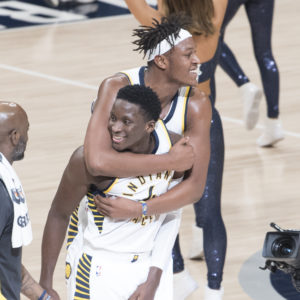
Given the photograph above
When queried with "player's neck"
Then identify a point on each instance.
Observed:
(164, 88)
(145, 145)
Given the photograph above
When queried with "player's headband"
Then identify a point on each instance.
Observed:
(164, 46)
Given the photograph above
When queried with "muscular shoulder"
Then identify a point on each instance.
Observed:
(108, 90)
(199, 102)
(77, 158)
(199, 111)
(114, 81)
(77, 169)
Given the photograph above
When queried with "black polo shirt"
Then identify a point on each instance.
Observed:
(10, 258)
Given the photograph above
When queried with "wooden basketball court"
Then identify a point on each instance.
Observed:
(54, 71)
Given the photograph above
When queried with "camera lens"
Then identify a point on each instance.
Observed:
(283, 247)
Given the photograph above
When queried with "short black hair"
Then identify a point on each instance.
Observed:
(150, 36)
(143, 96)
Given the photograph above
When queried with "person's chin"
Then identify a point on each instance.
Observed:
(118, 147)
(194, 80)
(191, 80)
(193, 83)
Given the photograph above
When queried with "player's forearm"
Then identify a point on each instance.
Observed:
(102, 160)
(190, 190)
(53, 238)
(187, 192)
(154, 276)
(116, 164)
(30, 288)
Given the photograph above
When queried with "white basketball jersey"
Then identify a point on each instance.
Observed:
(132, 235)
(175, 120)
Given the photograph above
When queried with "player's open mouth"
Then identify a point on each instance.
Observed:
(195, 72)
(117, 139)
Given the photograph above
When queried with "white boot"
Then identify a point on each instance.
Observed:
(211, 294)
(196, 250)
(272, 133)
(184, 285)
(251, 97)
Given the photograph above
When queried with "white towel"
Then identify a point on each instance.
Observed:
(22, 233)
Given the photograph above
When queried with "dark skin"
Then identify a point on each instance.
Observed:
(14, 127)
(168, 73)
(106, 161)
(125, 121)
(206, 44)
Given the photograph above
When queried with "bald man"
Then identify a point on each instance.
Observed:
(15, 226)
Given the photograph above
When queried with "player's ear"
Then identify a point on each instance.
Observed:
(161, 61)
(150, 126)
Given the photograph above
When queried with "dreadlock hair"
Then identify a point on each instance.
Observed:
(150, 36)
(143, 96)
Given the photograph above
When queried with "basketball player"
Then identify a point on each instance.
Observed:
(172, 74)
(115, 256)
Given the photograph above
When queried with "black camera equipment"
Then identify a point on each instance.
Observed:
(282, 251)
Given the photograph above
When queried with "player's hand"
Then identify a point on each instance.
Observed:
(183, 156)
(117, 207)
(143, 292)
(147, 290)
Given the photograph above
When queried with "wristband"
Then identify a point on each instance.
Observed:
(144, 208)
(44, 293)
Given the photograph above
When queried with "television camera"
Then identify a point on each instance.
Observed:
(282, 251)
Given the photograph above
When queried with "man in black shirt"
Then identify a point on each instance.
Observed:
(15, 228)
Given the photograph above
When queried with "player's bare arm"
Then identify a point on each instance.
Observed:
(72, 188)
(102, 159)
(147, 289)
(191, 189)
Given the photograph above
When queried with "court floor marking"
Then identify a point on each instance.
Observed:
(67, 23)
(95, 88)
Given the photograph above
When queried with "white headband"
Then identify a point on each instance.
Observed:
(164, 46)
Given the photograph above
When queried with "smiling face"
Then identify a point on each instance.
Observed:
(183, 63)
(128, 128)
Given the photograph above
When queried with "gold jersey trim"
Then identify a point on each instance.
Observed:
(186, 95)
(128, 76)
(111, 186)
(82, 288)
(165, 131)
